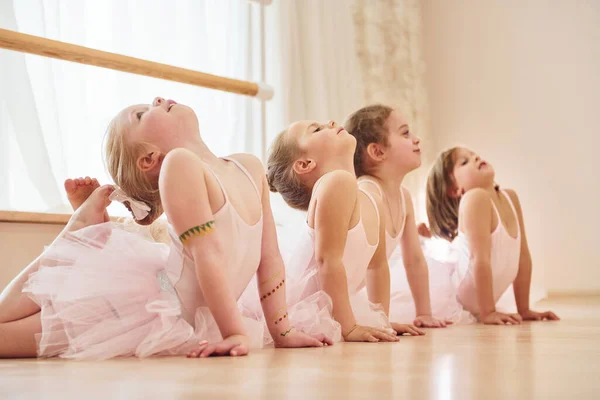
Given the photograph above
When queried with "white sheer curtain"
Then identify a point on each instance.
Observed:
(313, 65)
(54, 113)
(312, 62)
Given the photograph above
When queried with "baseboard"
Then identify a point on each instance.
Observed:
(561, 294)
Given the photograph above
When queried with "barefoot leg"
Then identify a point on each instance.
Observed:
(14, 304)
(17, 338)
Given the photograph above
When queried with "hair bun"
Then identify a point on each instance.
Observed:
(272, 187)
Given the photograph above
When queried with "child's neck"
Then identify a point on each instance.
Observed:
(389, 181)
(330, 167)
(491, 190)
(199, 148)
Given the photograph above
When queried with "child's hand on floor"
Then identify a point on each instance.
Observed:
(531, 315)
(234, 345)
(401, 329)
(368, 334)
(498, 318)
(295, 339)
(427, 321)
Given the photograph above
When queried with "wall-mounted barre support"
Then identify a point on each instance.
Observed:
(24, 43)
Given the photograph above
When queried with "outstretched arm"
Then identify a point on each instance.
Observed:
(417, 271)
(187, 205)
(522, 283)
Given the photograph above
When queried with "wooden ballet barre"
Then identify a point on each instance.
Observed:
(24, 43)
(34, 217)
(27, 217)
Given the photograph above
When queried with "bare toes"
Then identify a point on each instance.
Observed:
(70, 185)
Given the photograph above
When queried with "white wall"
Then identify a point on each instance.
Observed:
(519, 82)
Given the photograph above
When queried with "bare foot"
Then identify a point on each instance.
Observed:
(92, 211)
(79, 189)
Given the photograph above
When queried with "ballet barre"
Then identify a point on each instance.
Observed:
(40, 46)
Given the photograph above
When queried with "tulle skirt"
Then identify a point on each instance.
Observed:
(308, 299)
(447, 268)
(104, 292)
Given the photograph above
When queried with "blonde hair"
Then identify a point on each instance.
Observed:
(281, 175)
(368, 125)
(121, 161)
(442, 209)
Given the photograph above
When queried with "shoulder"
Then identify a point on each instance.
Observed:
(406, 194)
(179, 159)
(337, 181)
(513, 197)
(334, 200)
(336, 188)
(371, 187)
(253, 165)
(475, 201)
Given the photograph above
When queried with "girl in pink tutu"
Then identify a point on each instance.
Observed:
(387, 150)
(486, 228)
(100, 291)
(342, 250)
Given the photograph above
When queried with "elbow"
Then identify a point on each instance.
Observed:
(328, 264)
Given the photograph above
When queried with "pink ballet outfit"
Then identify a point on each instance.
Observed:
(442, 286)
(305, 289)
(504, 261)
(105, 292)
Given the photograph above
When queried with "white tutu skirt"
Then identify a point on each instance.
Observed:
(104, 292)
(446, 271)
(312, 308)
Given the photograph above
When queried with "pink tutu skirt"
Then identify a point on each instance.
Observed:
(312, 308)
(442, 262)
(104, 292)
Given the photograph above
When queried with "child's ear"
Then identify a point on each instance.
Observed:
(376, 151)
(149, 161)
(455, 192)
(304, 166)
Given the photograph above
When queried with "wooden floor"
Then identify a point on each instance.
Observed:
(557, 360)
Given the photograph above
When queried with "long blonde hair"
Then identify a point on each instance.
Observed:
(281, 175)
(442, 209)
(121, 161)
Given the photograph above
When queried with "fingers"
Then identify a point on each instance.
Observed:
(371, 338)
(517, 317)
(240, 350)
(225, 348)
(195, 353)
(549, 315)
(438, 324)
(311, 341)
(323, 339)
(414, 331)
(509, 319)
(382, 335)
(208, 350)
